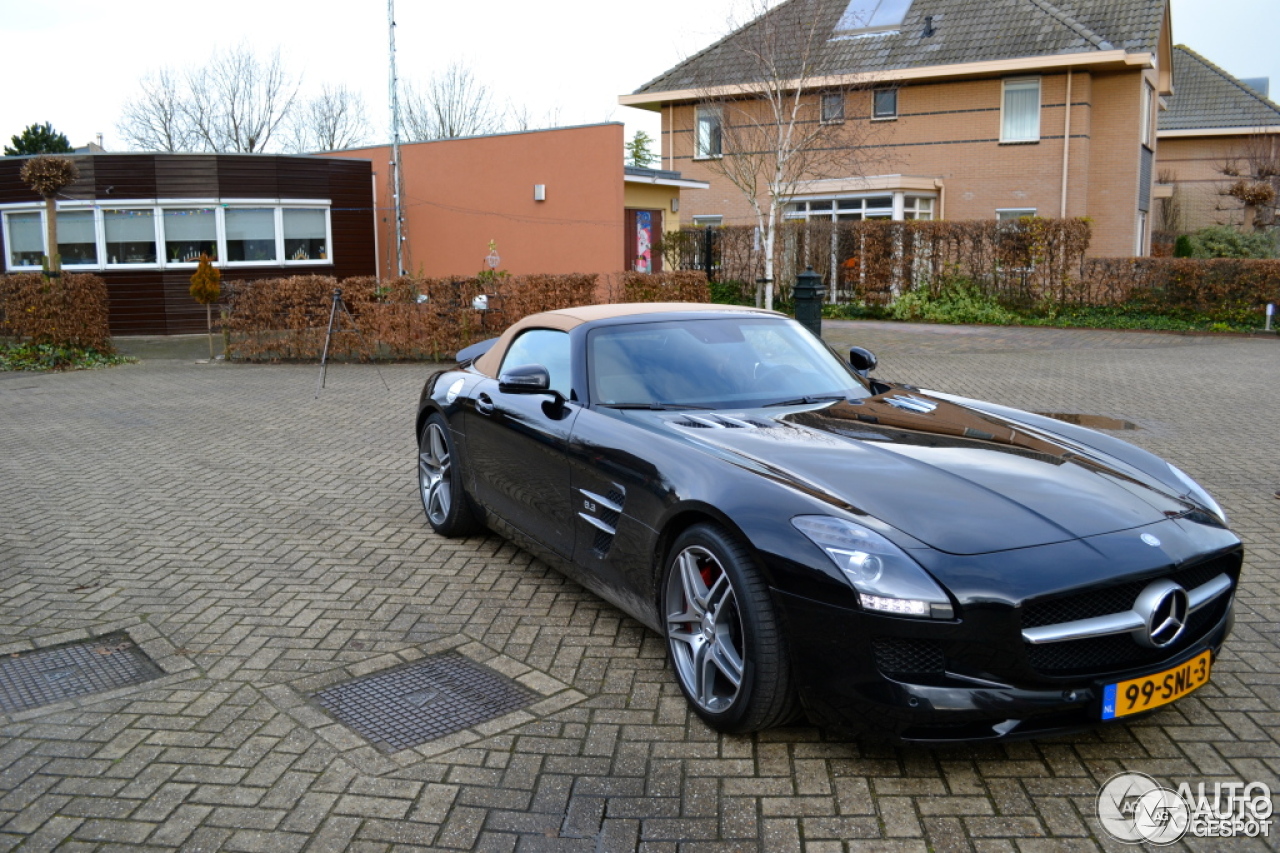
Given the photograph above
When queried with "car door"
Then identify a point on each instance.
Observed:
(516, 444)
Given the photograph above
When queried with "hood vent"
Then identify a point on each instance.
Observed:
(912, 403)
(718, 422)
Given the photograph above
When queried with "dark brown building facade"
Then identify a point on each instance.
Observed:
(141, 222)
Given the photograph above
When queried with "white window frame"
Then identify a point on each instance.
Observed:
(895, 211)
(219, 207)
(1146, 111)
(876, 115)
(710, 113)
(1004, 106)
(836, 116)
(709, 220)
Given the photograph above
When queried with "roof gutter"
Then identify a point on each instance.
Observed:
(990, 68)
(1217, 131)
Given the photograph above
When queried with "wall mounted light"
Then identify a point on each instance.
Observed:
(675, 205)
(539, 192)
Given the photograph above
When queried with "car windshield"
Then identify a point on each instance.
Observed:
(718, 363)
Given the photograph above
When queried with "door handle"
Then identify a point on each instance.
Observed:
(484, 404)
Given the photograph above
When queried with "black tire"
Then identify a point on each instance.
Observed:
(444, 500)
(720, 624)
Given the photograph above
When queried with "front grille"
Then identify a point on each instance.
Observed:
(1097, 655)
(1117, 598)
(896, 656)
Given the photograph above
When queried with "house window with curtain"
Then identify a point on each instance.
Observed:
(24, 235)
(77, 238)
(305, 234)
(707, 133)
(131, 235)
(189, 233)
(251, 234)
(1020, 111)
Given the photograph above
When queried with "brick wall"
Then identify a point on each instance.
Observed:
(951, 131)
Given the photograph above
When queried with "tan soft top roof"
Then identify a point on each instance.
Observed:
(568, 318)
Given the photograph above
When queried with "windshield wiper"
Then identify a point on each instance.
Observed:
(655, 407)
(805, 400)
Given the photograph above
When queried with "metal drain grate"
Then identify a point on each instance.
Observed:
(42, 677)
(419, 702)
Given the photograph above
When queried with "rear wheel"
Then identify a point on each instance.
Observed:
(723, 637)
(440, 482)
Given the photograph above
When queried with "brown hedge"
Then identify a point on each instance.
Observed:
(678, 286)
(69, 310)
(1224, 288)
(402, 318)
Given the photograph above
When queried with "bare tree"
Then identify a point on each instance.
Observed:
(522, 118)
(330, 121)
(238, 101)
(156, 120)
(1254, 171)
(453, 103)
(778, 123)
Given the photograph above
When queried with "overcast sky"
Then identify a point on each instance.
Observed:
(74, 62)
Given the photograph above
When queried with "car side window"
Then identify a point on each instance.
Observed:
(547, 347)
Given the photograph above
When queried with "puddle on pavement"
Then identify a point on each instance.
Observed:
(1091, 421)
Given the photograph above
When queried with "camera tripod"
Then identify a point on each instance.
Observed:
(324, 356)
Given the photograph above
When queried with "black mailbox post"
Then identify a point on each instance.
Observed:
(808, 295)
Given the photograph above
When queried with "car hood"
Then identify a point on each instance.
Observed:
(957, 479)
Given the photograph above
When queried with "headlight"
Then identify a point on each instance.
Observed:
(885, 578)
(1197, 493)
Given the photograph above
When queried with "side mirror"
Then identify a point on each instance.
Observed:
(525, 379)
(863, 361)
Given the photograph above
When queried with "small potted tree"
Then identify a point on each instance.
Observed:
(206, 288)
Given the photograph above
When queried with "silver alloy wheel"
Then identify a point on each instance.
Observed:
(434, 474)
(704, 629)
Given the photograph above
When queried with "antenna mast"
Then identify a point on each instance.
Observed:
(395, 138)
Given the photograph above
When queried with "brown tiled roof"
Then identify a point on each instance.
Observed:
(1205, 97)
(964, 31)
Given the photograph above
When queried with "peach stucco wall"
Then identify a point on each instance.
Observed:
(461, 193)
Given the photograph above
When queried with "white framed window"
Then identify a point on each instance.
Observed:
(1013, 214)
(871, 17)
(171, 234)
(24, 237)
(77, 238)
(858, 208)
(1020, 110)
(189, 232)
(917, 207)
(884, 103)
(708, 133)
(708, 221)
(1148, 102)
(1140, 245)
(832, 107)
(130, 235)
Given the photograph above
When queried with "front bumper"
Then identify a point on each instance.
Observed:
(839, 663)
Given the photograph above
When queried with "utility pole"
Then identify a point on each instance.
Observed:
(395, 139)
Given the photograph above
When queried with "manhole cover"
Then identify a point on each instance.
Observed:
(1091, 421)
(421, 701)
(44, 676)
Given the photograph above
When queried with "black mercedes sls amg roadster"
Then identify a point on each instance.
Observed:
(811, 540)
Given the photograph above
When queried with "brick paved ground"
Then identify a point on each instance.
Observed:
(261, 545)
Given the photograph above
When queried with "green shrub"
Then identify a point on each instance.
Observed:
(30, 356)
(1223, 241)
(956, 301)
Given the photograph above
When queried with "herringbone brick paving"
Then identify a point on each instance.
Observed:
(261, 544)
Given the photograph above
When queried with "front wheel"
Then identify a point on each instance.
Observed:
(440, 482)
(723, 637)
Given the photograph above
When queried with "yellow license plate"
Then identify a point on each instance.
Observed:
(1142, 694)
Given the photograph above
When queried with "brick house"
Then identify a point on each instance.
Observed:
(1213, 119)
(984, 109)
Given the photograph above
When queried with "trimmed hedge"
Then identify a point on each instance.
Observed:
(70, 310)
(1230, 289)
(680, 286)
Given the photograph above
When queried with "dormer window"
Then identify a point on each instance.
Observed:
(871, 17)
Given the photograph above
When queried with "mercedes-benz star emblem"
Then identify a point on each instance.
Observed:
(1163, 606)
